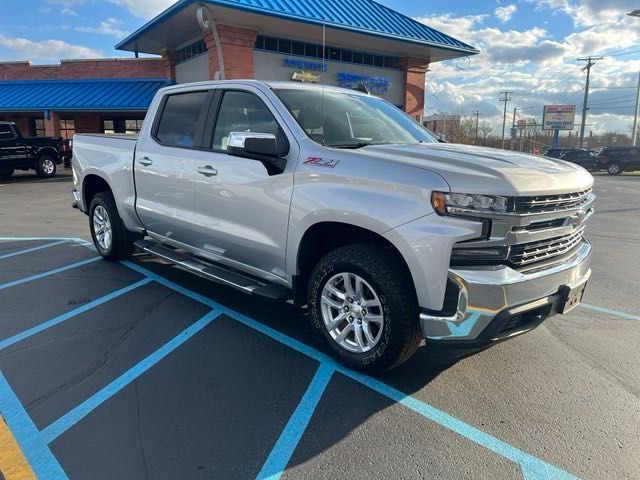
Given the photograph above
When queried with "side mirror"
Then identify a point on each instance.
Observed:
(252, 145)
(259, 146)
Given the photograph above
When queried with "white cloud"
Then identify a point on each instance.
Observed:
(538, 68)
(106, 27)
(144, 8)
(46, 50)
(505, 13)
(68, 6)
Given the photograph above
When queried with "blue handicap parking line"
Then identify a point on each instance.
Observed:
(49, 273)
(57, 428)
(610, 311)
(297, 424)
(532, 467)
(32, 249)
(43, 463)
(66, 316)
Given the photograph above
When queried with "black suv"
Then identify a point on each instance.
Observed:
(615, 160)
(584, 158)
(556, 152)
(41, 154)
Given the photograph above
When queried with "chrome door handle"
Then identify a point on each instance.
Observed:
(207, 171)
(146, 161)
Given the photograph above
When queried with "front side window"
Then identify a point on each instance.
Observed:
(242, 112)
(346, 120)
(181, 118)
(5, 132)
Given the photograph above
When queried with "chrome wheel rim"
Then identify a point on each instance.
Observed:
(47, 166)
(614, 168)
(352, 312)
(102, 227)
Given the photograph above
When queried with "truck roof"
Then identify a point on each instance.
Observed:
(268, 84)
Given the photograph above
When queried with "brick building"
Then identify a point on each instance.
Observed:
(343, 42)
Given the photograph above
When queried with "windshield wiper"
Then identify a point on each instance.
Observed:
(353, 146)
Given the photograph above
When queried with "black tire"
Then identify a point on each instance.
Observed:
(614, 168)
(122, 241)
(46, 166)
(390, 279)
(6, 174)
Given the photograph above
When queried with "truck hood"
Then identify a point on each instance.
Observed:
(471, 169)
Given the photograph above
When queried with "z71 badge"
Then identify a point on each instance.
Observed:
(321, 162)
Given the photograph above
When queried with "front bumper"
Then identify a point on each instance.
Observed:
(491, 304)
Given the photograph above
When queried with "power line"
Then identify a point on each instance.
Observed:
(621, 54)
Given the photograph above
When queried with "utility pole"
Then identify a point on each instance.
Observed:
(504, 97)
(513, 130)
(477, 122)
(634, 132)
(591, 61)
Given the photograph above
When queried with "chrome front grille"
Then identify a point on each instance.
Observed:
(528, 253)
(552, 203)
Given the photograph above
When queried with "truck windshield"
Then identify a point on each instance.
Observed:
(344, 120)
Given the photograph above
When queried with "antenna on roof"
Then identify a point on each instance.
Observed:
(324, 71)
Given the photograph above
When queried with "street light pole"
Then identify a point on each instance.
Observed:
(634, 131)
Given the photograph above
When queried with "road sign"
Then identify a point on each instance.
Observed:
(558, 117)
(521, 124)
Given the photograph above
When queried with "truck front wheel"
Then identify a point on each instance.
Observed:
(362, 300)
(110, 237)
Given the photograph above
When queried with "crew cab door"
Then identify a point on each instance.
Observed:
(243, 211)
(163, 165)
(13, 151)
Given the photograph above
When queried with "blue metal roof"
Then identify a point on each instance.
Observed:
(361, 16)
(77, 95)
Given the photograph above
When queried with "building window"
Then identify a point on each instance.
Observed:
(37, 127)
(290, 47)
(112, 126)
(193, 50)
(133, 126)
(67, 129)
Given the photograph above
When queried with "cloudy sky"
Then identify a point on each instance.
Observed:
(528, 47)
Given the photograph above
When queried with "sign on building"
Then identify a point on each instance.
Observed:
(558, 117)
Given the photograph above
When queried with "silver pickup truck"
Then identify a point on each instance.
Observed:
(337, 200)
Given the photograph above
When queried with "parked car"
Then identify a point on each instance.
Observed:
(337, 200)
(584, 158)
(616, 160)
(556, 152)
(41, 154)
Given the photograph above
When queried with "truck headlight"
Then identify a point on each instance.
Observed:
(461, 256)
(442, 202)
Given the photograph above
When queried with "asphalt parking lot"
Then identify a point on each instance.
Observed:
(139, 370)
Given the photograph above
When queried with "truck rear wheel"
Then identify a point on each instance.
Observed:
(46, 166)
(362, 300)
(614, 168)
(110, 237)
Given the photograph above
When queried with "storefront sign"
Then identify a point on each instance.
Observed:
(304, 65)
(377, 85)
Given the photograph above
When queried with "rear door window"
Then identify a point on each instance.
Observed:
(182, 119)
